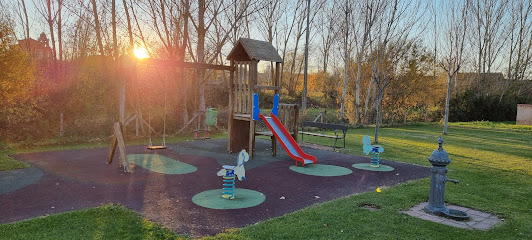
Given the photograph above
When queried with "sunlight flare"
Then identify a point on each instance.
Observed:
(141, 52)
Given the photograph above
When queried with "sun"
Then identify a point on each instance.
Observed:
(141, 52)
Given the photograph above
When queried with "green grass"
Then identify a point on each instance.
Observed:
(493, 162)
(7, 162)
(105, 222)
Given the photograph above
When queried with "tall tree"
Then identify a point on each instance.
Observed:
(97, 27)
(304, 98)
(60, 28)
(394, 40)
(454, 35)
(488, 37)
(370, 11)
(346, 58)
(328, 29)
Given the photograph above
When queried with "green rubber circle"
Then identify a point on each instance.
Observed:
(244, 198)
(160, 164)
(16, 179)
(367, 166)
(322, 170)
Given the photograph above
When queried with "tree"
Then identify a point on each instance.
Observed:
(328, 29)
(371, 10)
(393, 43)
(17, 78)
(488, 35)
(520, 44)
(97, 27)
(455, 29)
(304, 98)
(346, 58)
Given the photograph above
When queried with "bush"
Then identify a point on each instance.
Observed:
(469, 106)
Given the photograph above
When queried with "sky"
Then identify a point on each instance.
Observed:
(425, 28)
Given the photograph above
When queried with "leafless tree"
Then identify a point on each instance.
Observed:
(488, 35)
(394, 35)
(452, 47)
(20, 10)
(328, 29)
(268, 26)
(45, 10)
(304, 98)
(97, 27)
(520, 43)
(370, 11)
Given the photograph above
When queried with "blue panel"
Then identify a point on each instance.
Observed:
(256, 109)
(275, 109)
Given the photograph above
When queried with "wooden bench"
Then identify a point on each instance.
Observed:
(324, 126)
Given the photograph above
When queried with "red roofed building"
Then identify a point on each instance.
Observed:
(38, 49)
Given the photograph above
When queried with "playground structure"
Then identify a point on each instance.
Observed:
(128, 65)
(245, 57)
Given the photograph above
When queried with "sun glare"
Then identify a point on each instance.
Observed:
(141, 52)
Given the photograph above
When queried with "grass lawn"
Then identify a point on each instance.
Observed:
(106, 222)
(493, 162)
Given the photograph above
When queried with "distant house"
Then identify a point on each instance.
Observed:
(38, 49)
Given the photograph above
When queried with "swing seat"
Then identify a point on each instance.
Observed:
(206, 134)
(156, 147)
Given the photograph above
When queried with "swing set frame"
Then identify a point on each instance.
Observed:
(128, 64)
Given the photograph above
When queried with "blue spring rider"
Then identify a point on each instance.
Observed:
(375, 151)
(230, 172)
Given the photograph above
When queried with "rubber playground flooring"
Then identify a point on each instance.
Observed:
(63, 181)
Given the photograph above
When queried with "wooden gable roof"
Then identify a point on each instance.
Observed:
(249, 49)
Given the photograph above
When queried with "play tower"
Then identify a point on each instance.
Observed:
(245, 57)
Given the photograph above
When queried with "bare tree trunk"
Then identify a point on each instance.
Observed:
(379, 114)
(404, 121)
(51, 26)
(346, 58)
(130, 32)
(113, 22)
(200, 52)
(97, 27)
(304, 103)
(26, 17)
(366, 121)
(59, 31)
(449, 84)
(181, 55)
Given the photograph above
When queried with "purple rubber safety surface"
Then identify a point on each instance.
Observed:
(78, 179)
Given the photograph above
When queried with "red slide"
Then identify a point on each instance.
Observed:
(288, 142)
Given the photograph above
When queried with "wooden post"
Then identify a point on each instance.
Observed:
(118, 139)
(251, 84)
(277, 77)
(231, 103)
(61, 131)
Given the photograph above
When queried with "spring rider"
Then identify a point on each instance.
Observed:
(230, 172)
(374, 150)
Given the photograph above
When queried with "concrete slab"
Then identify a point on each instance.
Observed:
(479, 220)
